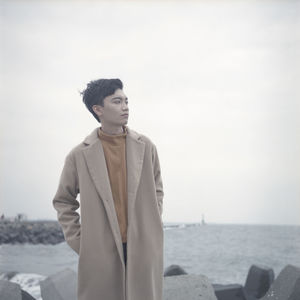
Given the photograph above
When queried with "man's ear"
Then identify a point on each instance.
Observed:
(98, 110)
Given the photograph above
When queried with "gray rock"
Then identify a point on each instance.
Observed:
(26, 296)
(229, 292)
(34, 232)
(60, 286)
(286, 286)
(10, 290)
(258, 281)
(174, 270)
(8, 275)
(188, 287)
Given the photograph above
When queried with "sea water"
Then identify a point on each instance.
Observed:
(224, 253)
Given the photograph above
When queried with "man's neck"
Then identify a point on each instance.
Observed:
(112, 130)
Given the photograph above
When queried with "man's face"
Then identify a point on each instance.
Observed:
(115, 111)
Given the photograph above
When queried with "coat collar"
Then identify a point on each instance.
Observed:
(96, 163)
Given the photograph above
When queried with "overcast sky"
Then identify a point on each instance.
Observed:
(212, 83)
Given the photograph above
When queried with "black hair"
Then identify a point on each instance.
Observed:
(97, 90)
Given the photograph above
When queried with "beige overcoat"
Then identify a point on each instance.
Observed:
(95, 233)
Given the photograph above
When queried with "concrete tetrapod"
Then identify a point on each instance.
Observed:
(174, 270)
(229, 292)
(286, 286)
(258, 282)
(10, 290)
(60, 286)
(188, 287)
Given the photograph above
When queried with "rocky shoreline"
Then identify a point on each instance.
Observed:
(33, 232)
(260, 284)
(39, 231)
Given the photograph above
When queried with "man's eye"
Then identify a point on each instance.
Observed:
(117, 102)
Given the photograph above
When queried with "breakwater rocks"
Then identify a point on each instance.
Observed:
(33, 232)
(260, 284)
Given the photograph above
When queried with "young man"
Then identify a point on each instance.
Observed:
(119, 232)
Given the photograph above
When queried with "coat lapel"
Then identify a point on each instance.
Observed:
(135, 150)
(95, 159)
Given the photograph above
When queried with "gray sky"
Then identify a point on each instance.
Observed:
(211, 83)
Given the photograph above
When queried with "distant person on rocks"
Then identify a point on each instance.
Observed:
(118, 234)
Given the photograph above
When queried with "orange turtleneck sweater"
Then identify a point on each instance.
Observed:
(114, 147)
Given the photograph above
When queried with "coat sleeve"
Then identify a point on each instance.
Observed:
(66, 204)
(158, 180)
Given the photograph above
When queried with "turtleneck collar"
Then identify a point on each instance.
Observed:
(113, 138)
